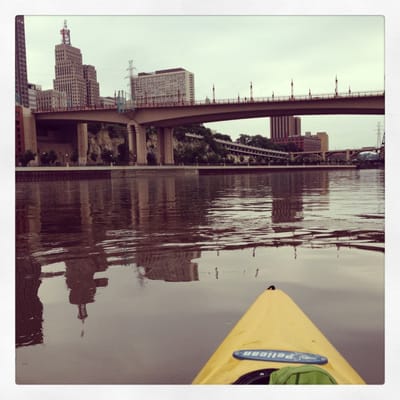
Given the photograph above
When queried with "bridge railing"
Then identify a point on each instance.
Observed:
(241, 100)
(129, 105)
(76, 108)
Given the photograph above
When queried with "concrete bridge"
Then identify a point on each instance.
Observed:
(167, 116)
(348, 154)
(242, 149)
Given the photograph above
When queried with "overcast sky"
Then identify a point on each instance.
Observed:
(230, 52)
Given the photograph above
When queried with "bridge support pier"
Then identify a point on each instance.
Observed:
(131, 144)
(165, 146)
(347, 155)
(82, 136)
(137, 142)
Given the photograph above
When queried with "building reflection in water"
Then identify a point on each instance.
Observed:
(89, 226)
(155, 223)
(288, 190)
(28, 307)
(169, 266)
(82, 284)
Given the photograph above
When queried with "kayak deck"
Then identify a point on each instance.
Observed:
(273, 323)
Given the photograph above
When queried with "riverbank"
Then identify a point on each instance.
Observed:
(29, 174)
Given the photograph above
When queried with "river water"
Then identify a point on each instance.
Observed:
(138, 280)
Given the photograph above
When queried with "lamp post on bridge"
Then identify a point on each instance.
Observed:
(291, 89)
(336, 86)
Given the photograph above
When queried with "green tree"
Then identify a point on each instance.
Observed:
(291, 147)
(222, 137)
(123, 153)
(151, 159)
(244, 139)
(107, 156)
(94, 127)
(26, 157)
(93, 156)
(47, 158)
(261, 141)
(74, 156)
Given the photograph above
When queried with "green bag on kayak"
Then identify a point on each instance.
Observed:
(302, 375)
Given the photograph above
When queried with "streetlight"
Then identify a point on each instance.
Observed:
(291, 89)
(336, 86)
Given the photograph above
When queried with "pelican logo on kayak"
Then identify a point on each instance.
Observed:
(280, 356)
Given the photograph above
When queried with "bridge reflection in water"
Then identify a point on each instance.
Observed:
(157, 225)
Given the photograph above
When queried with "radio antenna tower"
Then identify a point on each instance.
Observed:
(65, 35)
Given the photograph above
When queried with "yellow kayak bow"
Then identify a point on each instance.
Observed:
(274, 333)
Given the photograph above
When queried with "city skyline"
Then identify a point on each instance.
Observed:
(224, 52)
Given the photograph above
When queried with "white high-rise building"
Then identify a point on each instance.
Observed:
(166, 86)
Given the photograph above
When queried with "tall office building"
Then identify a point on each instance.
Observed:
(282, 127)
(287, 129)
(323, 136)
(32, 91)
(50, 99)
(78, 81)
(21, 75)
(92, 86)
(163, 86)
(69, 71)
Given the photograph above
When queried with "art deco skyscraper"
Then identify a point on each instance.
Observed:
(21, 75)
(69, 71)
(77, 80)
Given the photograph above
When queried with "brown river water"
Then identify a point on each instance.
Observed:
(137, 281)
